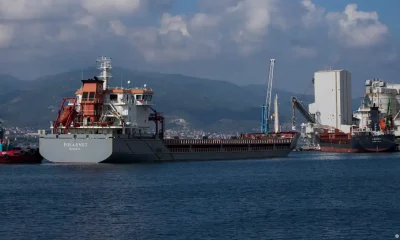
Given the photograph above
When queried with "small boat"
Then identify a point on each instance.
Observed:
(16, 155)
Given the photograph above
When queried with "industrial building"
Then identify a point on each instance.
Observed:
(387, 97)
(332, 108)
(333, 99)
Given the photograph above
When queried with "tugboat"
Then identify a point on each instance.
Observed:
(16, 155)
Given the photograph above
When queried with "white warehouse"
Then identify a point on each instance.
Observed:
(333, 99)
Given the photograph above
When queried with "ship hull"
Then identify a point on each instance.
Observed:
(21, 160)
(6, 158)
(106, 149)
(361, 144)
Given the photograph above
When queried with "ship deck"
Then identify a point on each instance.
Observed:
(228, 145)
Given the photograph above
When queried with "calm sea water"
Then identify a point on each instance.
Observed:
(306, 196)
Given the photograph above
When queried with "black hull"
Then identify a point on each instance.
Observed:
(361, 144)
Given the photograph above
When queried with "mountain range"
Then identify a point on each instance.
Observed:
(212, 105)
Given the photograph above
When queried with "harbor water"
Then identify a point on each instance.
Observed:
(308, 195)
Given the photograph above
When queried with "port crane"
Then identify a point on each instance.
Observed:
(266, 108)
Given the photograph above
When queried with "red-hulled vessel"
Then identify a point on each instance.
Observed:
(376, 137)
(13, 155)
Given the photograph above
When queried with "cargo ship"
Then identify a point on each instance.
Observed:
(16, 155)
(102, 124)
(373, 134)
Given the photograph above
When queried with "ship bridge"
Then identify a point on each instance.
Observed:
(98, 105)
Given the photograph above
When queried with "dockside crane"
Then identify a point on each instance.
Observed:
(266, 108)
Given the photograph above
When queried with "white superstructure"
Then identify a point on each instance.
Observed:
(333, 99)
(98, 108)
(381, 94)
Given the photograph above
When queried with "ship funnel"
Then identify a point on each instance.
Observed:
(374, 117)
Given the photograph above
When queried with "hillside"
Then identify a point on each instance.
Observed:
(209, 104)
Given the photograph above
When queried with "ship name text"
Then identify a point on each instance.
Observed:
(75, 146)
(376, 139)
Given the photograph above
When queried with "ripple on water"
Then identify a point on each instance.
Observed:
(306, 196)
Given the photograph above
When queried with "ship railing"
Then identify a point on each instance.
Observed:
(91, 100)
(103, 124)
(117, 102)
(115, 88)
(366, 129)
(98, 113)
(91, 112)
(231, 149)
(130, 88)
(70, 101)
(143, 102)
(91, 124)
(118, 88)
(378, 133)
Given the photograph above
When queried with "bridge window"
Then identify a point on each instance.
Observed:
(91, 96)
(84, 95)
(113, 97)
(139, 97)
(147, 97)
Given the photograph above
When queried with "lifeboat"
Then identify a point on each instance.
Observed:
(68, 111)
(382, 124)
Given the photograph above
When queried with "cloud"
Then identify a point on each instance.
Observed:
(6, 35)
(173, 24)
(117, 28)
(212, 41)
(357, 28)
(304, 52)
(88, 21)
(313, 16)
(105, 8)
(22, 10)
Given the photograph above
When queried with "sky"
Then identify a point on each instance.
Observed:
(230, 40)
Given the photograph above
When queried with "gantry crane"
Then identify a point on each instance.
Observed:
(266, 108)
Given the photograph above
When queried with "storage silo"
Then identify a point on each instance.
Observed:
(333, 101)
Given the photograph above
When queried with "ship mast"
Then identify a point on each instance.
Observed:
(105, 68)
(276, 122)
